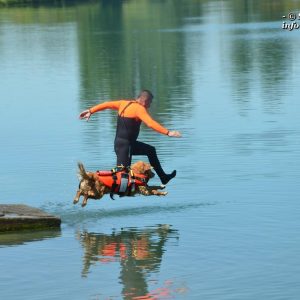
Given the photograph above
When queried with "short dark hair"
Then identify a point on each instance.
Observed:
(146, 93)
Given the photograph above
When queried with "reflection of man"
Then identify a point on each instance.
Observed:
(130, 115)
(139, 253)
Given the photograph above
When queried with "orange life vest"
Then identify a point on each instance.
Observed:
(122, 181)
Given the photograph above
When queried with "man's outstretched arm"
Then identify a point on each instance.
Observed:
(146, 118)
(86, 114)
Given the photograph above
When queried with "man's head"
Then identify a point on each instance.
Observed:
(145, 98)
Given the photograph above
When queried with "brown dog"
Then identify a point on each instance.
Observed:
(91, 187)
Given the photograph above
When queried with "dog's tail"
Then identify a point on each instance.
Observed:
(81, 171)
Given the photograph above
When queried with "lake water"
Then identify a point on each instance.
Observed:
(226, 75)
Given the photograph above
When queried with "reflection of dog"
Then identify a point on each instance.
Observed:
(90, 185)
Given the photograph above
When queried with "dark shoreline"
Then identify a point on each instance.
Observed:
(37, 3)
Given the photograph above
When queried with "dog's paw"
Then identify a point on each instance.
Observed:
(84, 202)
(75, 201)
(159, 193)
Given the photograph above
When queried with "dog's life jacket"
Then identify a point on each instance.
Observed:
(122, 181)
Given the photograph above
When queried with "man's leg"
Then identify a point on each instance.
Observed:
(122, 149)
(139, 148)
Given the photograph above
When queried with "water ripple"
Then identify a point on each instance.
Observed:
(73, 215)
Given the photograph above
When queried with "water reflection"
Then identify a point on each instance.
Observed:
(24, 237)
(139, 251)
(129, 51)
(253, 68)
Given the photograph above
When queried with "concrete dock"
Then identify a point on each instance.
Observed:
(20, 217)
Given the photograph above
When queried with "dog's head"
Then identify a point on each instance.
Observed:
(89, 185)
(144, 168)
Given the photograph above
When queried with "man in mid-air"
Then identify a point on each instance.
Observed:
(130, 115)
